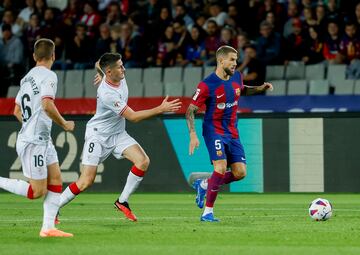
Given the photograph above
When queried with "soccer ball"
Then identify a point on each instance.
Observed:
(320, 209)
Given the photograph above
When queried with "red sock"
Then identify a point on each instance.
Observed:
(214, 184)
(137, 171)
(55, 188)
(74, 188)
(30, 193)
(229, 177)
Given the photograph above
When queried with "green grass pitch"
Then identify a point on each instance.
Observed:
(169, 224)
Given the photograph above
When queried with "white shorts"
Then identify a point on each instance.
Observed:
(35, 158)
(96, 150)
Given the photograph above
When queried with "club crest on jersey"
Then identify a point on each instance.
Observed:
(117, 104)
(219, 153)
(196, 94)
(237, 92)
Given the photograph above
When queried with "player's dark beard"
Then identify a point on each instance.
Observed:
(228, 71)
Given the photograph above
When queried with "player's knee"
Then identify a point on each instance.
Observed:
(56, 179)
(39, 192)
(85, 182)
(144, 163)
(239, 174)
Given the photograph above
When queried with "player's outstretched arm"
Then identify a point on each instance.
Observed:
(190, 120)
(100, 74)
(252, 90)
(17, 113)
(166, 106)
(50, 109)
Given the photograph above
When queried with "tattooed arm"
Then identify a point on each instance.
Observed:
(190, 120)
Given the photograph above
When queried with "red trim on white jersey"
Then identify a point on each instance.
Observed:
(114, 85)
(47, 97)
(123, 110)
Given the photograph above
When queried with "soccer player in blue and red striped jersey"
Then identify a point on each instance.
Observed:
(220, 92)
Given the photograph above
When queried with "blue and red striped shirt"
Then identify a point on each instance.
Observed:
(221, 99)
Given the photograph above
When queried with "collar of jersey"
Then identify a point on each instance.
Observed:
(112, 84)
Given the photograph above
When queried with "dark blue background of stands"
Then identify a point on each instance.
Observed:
(301, 103)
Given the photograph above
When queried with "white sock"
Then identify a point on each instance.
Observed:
(208, 210)
(15, 186)
(66, 197)
(51, 207)
(204, 184)
(131, 185)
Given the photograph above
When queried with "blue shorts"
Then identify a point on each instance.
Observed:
(227, 148)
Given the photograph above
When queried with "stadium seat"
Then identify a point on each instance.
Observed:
(134, 75)
(208, 70)
(192, 77)
(279, 88)
(172, 74)
(173, 81)
(297, 87)
(319, 87)
(335, 73)
(74, 86)
(60, 86)
(134, 81)
(345, 87)
(136, 89)
(275, 72)
(174, 89)
(12, 91)
(315, 72)
(153, 82)
(295, 70)
(357, 87)
(90, 89)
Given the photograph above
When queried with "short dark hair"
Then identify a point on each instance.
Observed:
(224, 51)
(82, 25)
(350, 23)
(44, 49)
(250, 45)
(180, 21)
(108, 60)
(213, 21)
(6, 27)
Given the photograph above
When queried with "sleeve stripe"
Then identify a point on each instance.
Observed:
(48, 97)
(123, 110)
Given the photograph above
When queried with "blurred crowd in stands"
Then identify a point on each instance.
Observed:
(181, 33)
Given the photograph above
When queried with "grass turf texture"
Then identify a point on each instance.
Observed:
(169, 224)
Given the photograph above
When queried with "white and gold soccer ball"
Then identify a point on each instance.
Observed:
(320, 209)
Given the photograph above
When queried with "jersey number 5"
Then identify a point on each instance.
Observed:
(218, 144)
(25, 109)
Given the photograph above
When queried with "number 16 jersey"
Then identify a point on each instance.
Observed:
(38, 83)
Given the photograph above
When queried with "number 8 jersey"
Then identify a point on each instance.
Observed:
(39, 83)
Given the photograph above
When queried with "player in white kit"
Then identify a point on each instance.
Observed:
(35, 109)
(106, 134)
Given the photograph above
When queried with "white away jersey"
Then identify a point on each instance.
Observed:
(110, 104)
(38, 83)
